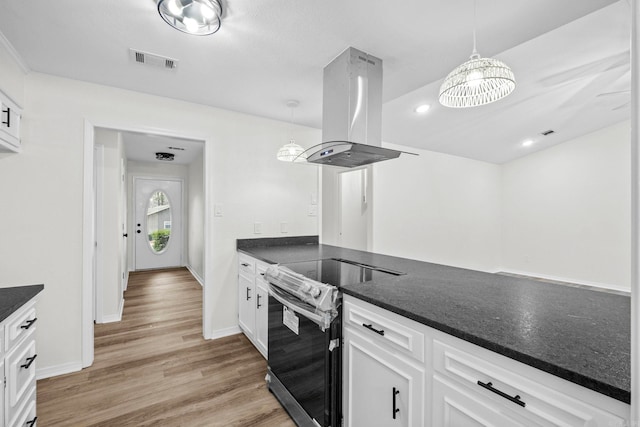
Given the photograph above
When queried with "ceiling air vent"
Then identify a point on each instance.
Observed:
(548, 132)
(146, 58)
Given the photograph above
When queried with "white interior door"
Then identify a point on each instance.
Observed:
(158, 223)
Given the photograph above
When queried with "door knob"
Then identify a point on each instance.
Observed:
(125, 235)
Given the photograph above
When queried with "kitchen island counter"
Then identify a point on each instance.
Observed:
(576, 333)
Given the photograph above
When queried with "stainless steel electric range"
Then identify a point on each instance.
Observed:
(305, 334)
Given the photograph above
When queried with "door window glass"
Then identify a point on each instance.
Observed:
(159, 221)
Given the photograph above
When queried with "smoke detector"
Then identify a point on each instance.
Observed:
(146, 58)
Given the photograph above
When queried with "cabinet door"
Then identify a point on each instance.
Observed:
(20, 375)
(262, 316)
(379, 388)
(246, 307)
(2, 374)
(10, 116)
(456, 406)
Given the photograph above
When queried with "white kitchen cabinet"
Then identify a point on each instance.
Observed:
(475, 378)
(383, 380)
(461, 384)
(10, 118)
(246, 310)
(253, 301)
(262, 316)
(19, 368)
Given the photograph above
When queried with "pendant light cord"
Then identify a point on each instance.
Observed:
(475, 23)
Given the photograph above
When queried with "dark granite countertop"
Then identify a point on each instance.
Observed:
(12, 299)
(576, 333)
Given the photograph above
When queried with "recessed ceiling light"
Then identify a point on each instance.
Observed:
(527, 143)
(422, 108)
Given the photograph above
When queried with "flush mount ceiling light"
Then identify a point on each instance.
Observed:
(199, 17)
(478, 81)
(167, 157)
(292, 152)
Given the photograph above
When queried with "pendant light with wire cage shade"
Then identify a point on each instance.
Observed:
(292, 152)
(478, 81)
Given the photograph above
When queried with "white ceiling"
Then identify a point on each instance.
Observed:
(269, 51)
(142, 148)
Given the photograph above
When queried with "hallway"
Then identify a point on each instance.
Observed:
(154, 368)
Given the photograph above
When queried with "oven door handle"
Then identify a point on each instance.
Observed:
(297, 306)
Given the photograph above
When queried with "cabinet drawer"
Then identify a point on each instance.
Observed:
(20, 324)
(25, 416)
(534, 396)
(246, 264)
(387, 329)
(455, 406)
(261, 268)
(21, 373)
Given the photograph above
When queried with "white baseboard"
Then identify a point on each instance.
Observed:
(195, 275)
(221, 333)
(110, 318)
(54, 371)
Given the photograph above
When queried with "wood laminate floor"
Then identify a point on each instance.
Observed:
(154, 368)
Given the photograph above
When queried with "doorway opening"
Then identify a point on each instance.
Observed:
(171, 215)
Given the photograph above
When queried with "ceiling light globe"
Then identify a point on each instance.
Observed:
(174, 7)
(198, 17)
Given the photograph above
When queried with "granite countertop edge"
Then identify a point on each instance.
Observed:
(567, 374)
(12, 298)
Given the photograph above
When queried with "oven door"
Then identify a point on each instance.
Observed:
(304, 360)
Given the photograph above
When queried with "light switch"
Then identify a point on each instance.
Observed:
(313, 210)
(257, 228)
(284, 227)
(217, 210)
(314, 198)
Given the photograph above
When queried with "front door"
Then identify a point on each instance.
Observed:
(158, 223)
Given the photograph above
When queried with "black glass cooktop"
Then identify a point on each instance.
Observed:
(340, 272)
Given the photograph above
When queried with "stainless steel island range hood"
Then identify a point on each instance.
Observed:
(352, 113)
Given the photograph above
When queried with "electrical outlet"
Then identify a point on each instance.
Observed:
(284, 227)
(257, 228)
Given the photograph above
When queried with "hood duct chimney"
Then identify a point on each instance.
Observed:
(352, 112)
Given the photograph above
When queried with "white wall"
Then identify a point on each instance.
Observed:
(112, 243)
(438, 208)
(562, 213)
(244, 177)
(566, 210)
(195, 231)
